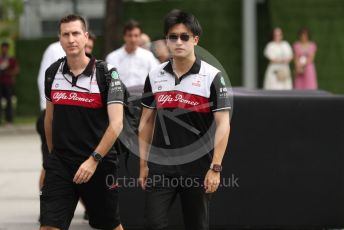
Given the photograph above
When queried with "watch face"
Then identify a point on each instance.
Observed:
(97, 156)
(217, 168)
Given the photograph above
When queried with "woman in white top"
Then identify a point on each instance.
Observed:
(279, 53)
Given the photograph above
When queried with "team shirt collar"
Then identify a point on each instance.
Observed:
(195, 68)
(88, 70)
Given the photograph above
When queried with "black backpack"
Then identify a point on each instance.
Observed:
(126, 142)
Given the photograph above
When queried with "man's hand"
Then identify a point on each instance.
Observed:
(211, 181)
(85, 171)
(143, 176)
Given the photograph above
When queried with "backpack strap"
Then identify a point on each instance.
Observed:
(50, 75)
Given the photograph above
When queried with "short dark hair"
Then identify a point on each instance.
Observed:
(130, 25)
(5, 44)
(304, 30)
(92, 36)
(175, 17)
(72, 18)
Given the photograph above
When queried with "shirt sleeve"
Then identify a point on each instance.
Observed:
(219, 94)
(296, 50)
(148, 100)
(153, 62)
(117, 90)
(314, 47)
(268, 51)
(107, 58)
(289, 50)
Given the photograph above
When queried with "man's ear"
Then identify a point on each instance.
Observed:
(196, 40)
(87, 34)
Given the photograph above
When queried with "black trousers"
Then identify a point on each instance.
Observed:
(6, 92)
(59, 195)
(160, 195)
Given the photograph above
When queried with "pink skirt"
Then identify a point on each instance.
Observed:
(307, 80)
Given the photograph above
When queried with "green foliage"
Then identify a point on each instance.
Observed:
(12, 9)
(10, 12)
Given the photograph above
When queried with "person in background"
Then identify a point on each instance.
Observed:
(50, 55)
(305, 50)
(145, 41)
(9, 69)
(279, 53)
(160, 50)
(90, 43)
(132, 62)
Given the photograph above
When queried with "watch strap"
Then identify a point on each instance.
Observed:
(97, 157)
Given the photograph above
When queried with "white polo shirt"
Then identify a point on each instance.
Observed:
(51, 54)
(133, 68)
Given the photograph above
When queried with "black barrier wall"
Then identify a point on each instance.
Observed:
(283, 168)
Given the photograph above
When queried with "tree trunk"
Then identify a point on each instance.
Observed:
(112, 25)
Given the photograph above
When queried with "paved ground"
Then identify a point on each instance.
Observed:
(20, 166)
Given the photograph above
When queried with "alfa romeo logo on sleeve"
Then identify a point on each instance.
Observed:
(223, 81)
(114, 75)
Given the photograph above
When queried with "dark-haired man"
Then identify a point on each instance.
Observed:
(133, 63)
(184, 101)
(90, 43)
(80, 129)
